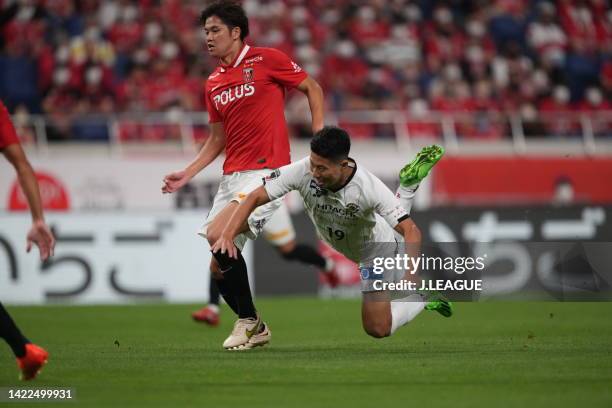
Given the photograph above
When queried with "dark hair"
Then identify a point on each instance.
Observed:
(231, 13)
(332, 143)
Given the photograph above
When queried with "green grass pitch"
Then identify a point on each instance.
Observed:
(490, 354)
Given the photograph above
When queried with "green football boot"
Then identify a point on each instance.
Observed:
(419, 167)
(439, 303)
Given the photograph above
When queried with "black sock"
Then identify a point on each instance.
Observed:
(213, 292)
(236, 281)
(10, 333)
(307, 255)
(226, 291)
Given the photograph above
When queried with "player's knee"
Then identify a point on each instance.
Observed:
(288, 255)
(287, 250)
(212, 235)
(378, 329)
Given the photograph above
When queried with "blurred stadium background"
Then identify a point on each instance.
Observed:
(107, 98)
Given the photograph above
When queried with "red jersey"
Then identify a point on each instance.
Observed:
(7, 130)
(248, 96)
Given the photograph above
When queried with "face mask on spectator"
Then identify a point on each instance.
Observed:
(153, 32)
(400, 32)
(141, 57)
(299, 15)
(452, 73)
(412, 13)
(169, 50)
(61, 76)
(529, 113)
(419, 108)
(474, 54)
(93, 76)
(584, 14)
(540, 80)
(274, 37)
(92, 34)
(366, 14)
(594, 96)
(561, 95)
(313, 69)
(346, 49)
(306, 53)
(129, 14)
(547, 12)
(301, 35)
(483, 90)
(443, 15)
(476, 28)
(554, 56)
(62, 55)
(330, 17)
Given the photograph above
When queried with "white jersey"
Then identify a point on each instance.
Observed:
(361, 212)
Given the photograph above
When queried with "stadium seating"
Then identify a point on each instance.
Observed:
(67, 59)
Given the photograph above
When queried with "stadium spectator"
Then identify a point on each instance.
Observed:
(374, 55)
(557, 111)
(546, 37)
(594, 104)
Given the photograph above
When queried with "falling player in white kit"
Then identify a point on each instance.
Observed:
(351, 209)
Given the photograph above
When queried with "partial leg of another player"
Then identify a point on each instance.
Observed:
(235, 287)
(278, 231)
(210, 314)
(249, 330)
(30, 357)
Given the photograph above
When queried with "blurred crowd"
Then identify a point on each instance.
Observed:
(68, 58)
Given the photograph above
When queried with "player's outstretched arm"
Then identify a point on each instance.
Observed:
(316, 101)
(238, 220)
(39, 233)
(212, 148)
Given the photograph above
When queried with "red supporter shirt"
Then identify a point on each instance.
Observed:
(248, 96)
(7, 130)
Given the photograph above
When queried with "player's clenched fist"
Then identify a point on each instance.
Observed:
(174, 181)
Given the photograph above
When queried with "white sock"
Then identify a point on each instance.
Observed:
(329, 265)
(406, 196)
(404, 310)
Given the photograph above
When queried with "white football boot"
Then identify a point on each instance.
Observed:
(259, 339)
(243, 330)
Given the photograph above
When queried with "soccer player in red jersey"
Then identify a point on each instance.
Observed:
(245, 101)
(30, 357)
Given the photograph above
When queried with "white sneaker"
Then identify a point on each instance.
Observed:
(261, 338)
(243, 330)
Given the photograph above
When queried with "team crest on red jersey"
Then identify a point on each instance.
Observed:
(247, 73)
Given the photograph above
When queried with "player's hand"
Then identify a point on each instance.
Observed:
(225, 245)
(41, 235)
(174, 181)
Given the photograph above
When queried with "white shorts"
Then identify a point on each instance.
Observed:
(393, 275)
(279, 228)
(235, 187)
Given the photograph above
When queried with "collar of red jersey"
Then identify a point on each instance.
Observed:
(238, 59)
